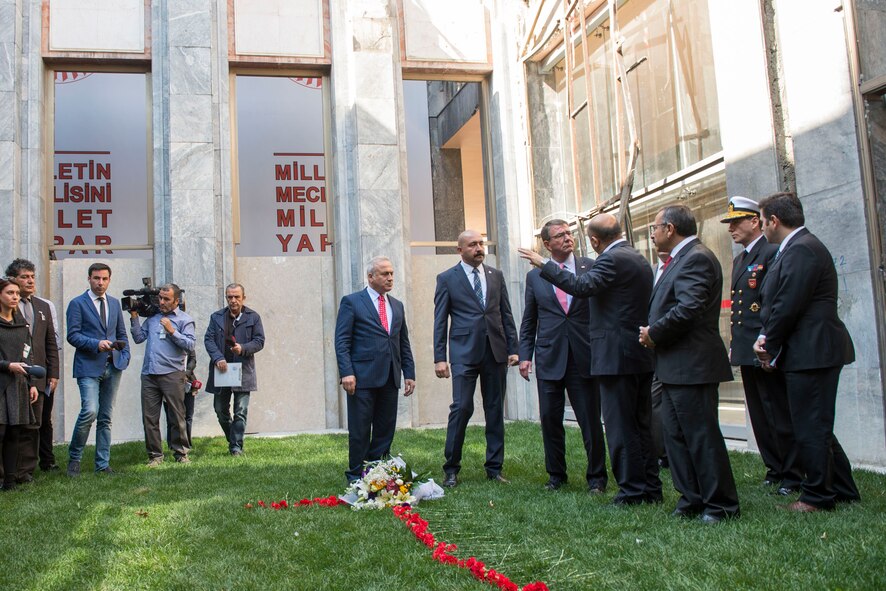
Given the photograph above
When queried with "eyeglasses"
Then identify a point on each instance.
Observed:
(560, 235)
(652, 227)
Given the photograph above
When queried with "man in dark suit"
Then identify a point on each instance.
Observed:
(618, 285)
(44, 352)
(96, 329)
(234, 335)
(765, 395)
(555, 328)
(472, 299)
(372, 350)
(803, 336)
(690, 362)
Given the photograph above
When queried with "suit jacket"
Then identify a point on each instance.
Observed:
(800, 321)
(684, 315)
(619, 286)
(85, 331)
(748, 272)
(44, 348)
(364, 349)
(549, 332)
(248, 333)
(469, 323)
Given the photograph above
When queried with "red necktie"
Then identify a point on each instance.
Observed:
(383, 312)
(667, 262)
(561, 295)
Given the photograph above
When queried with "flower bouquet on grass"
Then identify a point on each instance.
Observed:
(388, 483)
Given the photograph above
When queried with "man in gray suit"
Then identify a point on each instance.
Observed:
(690, 362)
(372, 350)
(472, 299)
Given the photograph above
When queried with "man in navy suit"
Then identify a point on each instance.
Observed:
(803, 336)
(98, 333)
(472, 299)
(372, 350)
(619, 286)
(690, 363)
(555, 329)
(764, 391)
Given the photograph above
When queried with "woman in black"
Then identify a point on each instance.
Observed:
(16, 393)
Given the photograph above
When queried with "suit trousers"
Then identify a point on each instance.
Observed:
(157, 390)
(770, 414)
(189, 418)
(29, 441)
(700, 466)
(813, 397)
(658, 448)
(47, 436)
(585, 400)
(627, 412)
(372, 420)
(9, 452)
(493, 379)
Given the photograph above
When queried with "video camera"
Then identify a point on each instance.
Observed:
(146, 300)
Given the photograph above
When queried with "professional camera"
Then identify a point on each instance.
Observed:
(146, 300)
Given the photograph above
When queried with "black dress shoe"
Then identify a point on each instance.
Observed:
(554, 484)
(50, 468)
(770, 482)
(664, 463)
(24, 479)
(107, 471)
(450, 480)
(498, 478)
(596, 489)
(683, 513)
(626, 501)
(709, 519)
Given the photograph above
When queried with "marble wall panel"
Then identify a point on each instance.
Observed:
(191, 71)
(189, 23)
(292, 369)
(376, 120)
(279, 27)
(445, 31)
(373, 35)
(7, 63)
(380, 216)
(374, 77)
(192, 215)
(743, 97)
(191, 165)
(8, 171)
(379, 167)
(190, 118)
(97, 25)
(195, 259)
(7, 115)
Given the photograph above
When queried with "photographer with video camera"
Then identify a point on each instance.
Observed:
(96, 330)
(170, 337)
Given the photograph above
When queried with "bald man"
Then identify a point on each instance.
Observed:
(471, 304)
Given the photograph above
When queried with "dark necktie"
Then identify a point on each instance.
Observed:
(478, 289)
(103, 313)
(383, 312)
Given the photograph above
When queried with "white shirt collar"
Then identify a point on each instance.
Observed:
(469, 269)
(787, 238)
(373, 294)
(94, 297)
(683, 243)
(569, 263)
(608, 248)
(753, 243)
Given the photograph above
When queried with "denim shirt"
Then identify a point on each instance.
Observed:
(165, 353)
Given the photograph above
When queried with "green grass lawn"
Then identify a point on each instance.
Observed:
(186, 527)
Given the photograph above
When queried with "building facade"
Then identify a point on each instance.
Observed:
(284, 143)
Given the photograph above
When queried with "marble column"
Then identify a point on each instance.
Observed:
(371, 212)
(191, 139)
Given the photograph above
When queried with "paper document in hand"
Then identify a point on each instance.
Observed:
(232, 378)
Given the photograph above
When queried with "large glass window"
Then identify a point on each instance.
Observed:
(668, 66)
(447, 187)
(281, 167)
(101, 191)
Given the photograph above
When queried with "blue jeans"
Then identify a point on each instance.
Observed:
(235, 427)
(96, 402)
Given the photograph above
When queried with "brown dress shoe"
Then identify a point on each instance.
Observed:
(801, 507)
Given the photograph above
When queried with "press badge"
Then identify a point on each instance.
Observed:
(26, 351)
(162, 333)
